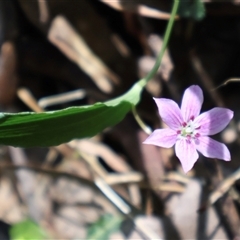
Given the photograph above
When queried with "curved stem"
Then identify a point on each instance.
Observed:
(150, 75)
(140, 122)
(164, 46)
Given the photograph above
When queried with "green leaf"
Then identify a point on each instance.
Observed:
(192, 9)
(30, 129)
(27, 230)
(53, 128)
(104, 227)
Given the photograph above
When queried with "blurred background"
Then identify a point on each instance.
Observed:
(56, 54)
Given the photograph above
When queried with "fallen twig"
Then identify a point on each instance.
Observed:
(138, 8)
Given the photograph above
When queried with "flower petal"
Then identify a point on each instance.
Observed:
(162, 137)
(213, 121)
(169, 112)
(191, 102)
(212, 149)
(187, 154)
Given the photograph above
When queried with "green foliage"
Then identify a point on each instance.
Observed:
(104, 227)
(27, 230)
(192, 9)
(30, 129)
(53, 128)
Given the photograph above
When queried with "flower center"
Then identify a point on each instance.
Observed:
(189, 130)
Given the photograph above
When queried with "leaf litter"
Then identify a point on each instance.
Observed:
(57, 187)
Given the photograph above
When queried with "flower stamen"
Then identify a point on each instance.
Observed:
(188, 131)
(197, 135)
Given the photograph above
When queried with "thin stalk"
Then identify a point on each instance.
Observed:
(140, 122)
(165, 42)
(157, 64)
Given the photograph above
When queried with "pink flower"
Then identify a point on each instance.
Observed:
(188, 130)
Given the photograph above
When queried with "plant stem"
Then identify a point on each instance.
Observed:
(140, 122)
(164, 46)
(143, 82)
